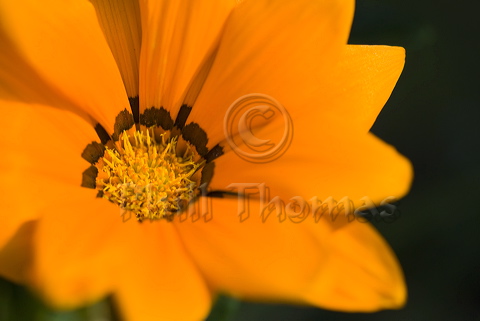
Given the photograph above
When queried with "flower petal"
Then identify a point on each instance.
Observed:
(337, 265)
(177, 36)
(362, 169)
(16, 255)
(54, 53)
(363, 263)
(359, 87)
(158, 280)
(41, 160)
(120, 22)
(101, 251)
(277, 48)
(77, 250)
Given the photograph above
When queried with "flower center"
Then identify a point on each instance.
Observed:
(148, 174)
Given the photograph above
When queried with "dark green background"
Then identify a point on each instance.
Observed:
(432, 118)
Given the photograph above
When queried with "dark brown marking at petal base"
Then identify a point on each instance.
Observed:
(100, 194)
(102, 134)
(157, 117)
(221, 194)
(93, 152)
(135, 107)
(182, 116)
(215, 194)
(89, 176)
(207, 173)
(214, 153)
(123, 121)
(196, 136)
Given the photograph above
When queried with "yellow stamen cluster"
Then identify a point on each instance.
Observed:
(145, 176)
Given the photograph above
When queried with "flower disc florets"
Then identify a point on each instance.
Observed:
(145, 176)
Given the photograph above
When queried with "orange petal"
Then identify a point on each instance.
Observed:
(177, 36)
(362, 169)
(158, 281)
(16, 255)
(55, 53)
(41, 160)
(100, 251)
(78, 248)
(280, 48)
(359, 87)
(360, 261)
(337, 265)
(120, 22)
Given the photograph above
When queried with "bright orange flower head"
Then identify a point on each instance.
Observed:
(124, 169)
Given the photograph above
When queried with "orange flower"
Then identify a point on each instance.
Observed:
(77, 72)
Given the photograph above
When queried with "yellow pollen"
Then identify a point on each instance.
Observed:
(145, 176)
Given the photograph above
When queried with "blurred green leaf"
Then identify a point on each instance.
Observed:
(224, 309)
(18, 303)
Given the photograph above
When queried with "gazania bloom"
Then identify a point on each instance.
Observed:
(113, 133)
